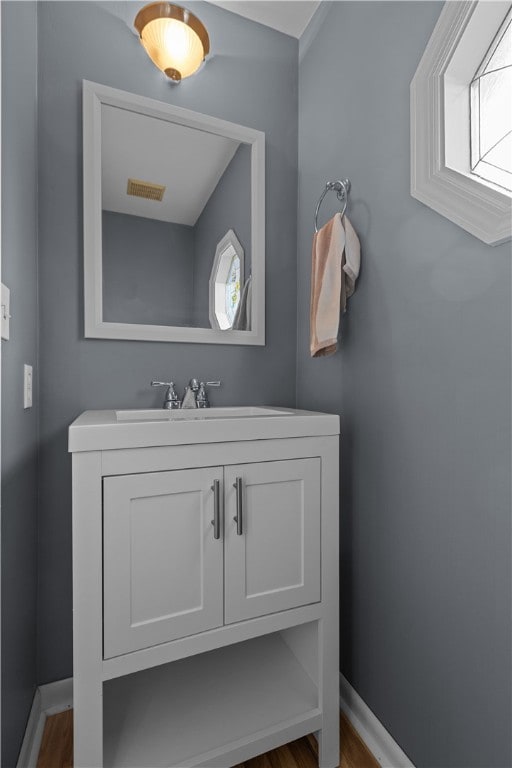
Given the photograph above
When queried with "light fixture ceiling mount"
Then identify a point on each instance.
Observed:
(175, 40)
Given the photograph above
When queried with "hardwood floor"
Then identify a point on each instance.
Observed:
(57, 745)
(57, 748)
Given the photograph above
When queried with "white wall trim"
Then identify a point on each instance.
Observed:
(48, 700)
(479, 209)
(56, 697)
(33, 735)
(380, 743)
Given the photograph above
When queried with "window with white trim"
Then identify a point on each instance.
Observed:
(461, 119)
(491, 111)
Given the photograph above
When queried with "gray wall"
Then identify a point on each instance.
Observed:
(148, 270)
(19, 427)
(229, 207)
(422, 383)
(251, 79)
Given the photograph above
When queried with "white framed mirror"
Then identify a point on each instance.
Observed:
(164, 189)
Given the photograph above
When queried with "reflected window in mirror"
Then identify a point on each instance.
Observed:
(232, 291)
(226, 284)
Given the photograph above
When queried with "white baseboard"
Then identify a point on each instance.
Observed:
(48, 700)
(33, 735)
(57, 697)
(380, 743)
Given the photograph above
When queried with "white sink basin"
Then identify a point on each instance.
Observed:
(199, 414)
(156, 427)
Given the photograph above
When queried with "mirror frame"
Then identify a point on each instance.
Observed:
(94, 95)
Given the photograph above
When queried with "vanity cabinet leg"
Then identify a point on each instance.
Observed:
(328, 626)
(87, 724)
(329, 695)
(87, 611)
(329, 747)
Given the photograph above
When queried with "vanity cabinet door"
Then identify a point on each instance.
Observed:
(272, 556)
(163, 568)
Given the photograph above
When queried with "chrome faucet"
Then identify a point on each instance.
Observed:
(171, 400)
(195, 394)
(189, 395)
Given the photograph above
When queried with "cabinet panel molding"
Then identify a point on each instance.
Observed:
(162, 565)
(274, 564)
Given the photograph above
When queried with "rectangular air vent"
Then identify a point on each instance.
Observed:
(145, 189)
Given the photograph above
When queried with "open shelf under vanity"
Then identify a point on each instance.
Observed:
(213, 705)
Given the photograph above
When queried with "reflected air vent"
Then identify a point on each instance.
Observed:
(145, 189)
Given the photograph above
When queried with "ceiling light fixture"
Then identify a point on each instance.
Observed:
(175, 40)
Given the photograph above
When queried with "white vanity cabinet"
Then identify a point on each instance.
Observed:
(205, 577)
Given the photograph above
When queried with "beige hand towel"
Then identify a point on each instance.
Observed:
(352, 260)
(335, 268)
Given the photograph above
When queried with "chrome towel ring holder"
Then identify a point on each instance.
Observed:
(342, 188)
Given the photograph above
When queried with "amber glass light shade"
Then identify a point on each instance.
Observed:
(175, 40)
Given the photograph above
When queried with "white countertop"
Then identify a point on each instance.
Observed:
(103, 430)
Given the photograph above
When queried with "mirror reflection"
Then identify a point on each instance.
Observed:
(176, 224)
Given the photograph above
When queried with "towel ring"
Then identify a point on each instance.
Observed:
(342, 188)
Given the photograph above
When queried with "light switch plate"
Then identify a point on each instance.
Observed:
(5, 314)
(27, 386)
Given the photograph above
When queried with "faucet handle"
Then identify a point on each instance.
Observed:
(201, 397)
(171, 400)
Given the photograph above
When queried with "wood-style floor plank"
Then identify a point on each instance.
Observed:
(354, 753)
(303, 753)
(57, 748)
(57, 745)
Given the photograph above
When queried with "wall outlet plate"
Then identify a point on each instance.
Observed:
(5, 314)
(27, 386)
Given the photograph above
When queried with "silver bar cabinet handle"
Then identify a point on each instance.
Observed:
(216, 509)
(239, 506)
